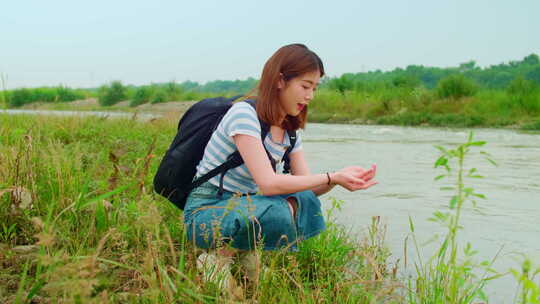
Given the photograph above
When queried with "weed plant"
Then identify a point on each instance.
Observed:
(450, 277)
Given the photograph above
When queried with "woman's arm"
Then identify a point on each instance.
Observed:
(299, 167)
(252, 151)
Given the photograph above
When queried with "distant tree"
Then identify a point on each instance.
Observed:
(532, 59)
(534, 74)
(467, 66)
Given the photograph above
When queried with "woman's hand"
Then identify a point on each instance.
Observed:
(355, 178)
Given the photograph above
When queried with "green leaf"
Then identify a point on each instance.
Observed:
(476, 143)
(492, 161)
(480, 195)
(103, 196)
(439, 177)
(441, 161)
(101, 217)
(442, 149)
(453, 202)
(411, 225)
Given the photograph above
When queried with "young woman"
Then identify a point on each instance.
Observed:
(285, 209)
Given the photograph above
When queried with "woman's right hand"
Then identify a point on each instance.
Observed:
(355, 178)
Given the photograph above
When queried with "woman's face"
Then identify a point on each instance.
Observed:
(297, 93)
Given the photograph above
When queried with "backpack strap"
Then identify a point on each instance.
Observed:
(286, 159)
(235, 159)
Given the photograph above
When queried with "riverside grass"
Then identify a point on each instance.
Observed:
(79, 224)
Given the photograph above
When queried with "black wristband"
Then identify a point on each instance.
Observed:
(329, 180)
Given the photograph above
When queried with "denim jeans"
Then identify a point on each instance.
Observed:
(248, 221)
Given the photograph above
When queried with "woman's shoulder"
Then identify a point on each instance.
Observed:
(243, 106)
(242, 109)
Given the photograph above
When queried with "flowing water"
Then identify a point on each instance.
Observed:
(508, 218)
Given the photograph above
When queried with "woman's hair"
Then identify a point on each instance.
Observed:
(289, 61)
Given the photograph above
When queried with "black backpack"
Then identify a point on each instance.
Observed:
(174, 177)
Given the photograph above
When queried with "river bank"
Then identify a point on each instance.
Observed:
(454, 114)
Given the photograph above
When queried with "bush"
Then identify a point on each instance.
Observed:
(406, 81)
(160, 96)
(456, 86)
(109, 95)
(525, 94)
(19, 97)
(142, 95)
(173, 91)
(66, 94)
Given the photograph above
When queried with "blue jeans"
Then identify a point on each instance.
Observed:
(248, 221)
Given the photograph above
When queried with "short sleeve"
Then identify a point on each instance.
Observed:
(241, 119)
(298, 144)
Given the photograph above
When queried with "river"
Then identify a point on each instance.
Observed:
(507, 220)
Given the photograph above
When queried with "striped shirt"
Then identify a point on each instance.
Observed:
(240, 119)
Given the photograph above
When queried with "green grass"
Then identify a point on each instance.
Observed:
(79, 223)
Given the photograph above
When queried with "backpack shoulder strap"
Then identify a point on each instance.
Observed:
(234, 160)
(286, 159)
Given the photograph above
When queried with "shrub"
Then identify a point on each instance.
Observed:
(66, 94)
(525, 94)
(109, 95)
(159, 96)
(456, 86)
(173, 91)
(406, 81)
(19, 97)
(521, 86)
(142, 95)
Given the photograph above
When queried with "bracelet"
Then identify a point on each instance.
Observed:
(329, 180)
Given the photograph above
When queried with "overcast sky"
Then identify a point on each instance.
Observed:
(89, 43)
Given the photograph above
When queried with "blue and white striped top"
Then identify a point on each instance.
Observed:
(240, 119)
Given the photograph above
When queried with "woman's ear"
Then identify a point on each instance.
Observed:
(281, 82)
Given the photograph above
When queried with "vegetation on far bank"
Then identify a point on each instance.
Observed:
(503, 95)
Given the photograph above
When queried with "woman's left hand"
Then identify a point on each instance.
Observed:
(359, 172)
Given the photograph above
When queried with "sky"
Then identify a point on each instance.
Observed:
(90, 43)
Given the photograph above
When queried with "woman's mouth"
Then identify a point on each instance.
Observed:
(300, 106)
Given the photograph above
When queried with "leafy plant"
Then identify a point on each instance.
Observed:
(445, 278)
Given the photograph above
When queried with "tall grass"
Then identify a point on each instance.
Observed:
(79, 223)
(4, 93)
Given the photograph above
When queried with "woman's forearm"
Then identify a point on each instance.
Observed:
(322, 189)
(284, 184)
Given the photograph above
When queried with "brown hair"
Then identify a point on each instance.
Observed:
(290, 61)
